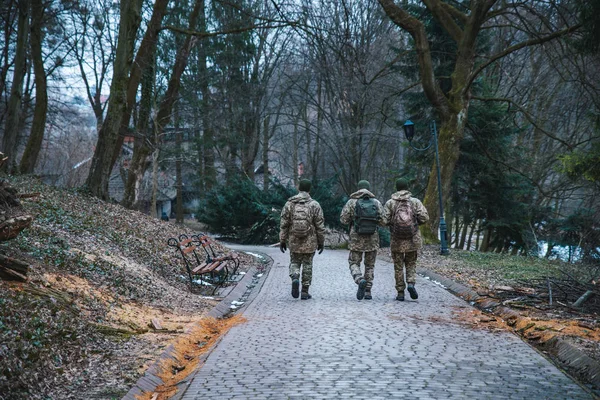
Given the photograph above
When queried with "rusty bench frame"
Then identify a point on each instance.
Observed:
(214, 269)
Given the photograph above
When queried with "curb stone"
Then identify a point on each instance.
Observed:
(570, 357)
(150, 380)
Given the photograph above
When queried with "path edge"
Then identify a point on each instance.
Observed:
(571, 358)
(149, 381)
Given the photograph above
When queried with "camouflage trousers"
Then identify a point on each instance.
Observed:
(401, 260)
(355, 258)
(301, 261)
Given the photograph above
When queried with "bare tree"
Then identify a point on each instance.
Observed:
(38, 125)
(465, 24)
(101, 166)
(13, 114)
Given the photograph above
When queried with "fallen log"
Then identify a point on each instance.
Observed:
(14, 264)
(583, 298)
(12, 269)
(8, 274)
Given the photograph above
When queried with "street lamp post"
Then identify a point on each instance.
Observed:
(409, 132)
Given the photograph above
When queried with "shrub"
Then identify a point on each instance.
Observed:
(242, 211)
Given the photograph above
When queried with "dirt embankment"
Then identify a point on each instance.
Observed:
(81, 327)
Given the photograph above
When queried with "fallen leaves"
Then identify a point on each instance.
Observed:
(186, 353)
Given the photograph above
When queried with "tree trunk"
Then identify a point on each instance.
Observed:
(181, 59)
(449, 151)
(198, 147)
(208, 144)
(485, 242)
(317, 148)
(38, 125)
(144, 59)
(101, 166)
(265, 153)
(143, 141)
(472, 230)
(13, 111)
(463, 236)
(7, 31)
(477, 241)
(295, 153)
(155, 154)
(178, 172)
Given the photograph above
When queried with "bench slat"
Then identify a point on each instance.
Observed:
(188, 250)
(199, 268)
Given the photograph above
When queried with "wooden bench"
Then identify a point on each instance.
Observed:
(209, 267)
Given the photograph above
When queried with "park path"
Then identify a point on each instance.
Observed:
(336, 347)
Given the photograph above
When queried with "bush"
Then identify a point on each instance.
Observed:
(242, 211)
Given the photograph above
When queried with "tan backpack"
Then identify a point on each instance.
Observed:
(301, 220)
(404, 221)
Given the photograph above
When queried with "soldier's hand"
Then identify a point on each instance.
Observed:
(320, 247)
(282, 246)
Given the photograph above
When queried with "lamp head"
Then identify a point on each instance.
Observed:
(409, 129)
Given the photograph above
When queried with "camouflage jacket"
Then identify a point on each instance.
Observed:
(416, 243)
(359, 242)
(317, 233)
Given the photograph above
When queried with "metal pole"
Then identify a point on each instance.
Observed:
(443, 232)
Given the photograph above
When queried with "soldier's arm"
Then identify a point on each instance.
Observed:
(347, 211)
(380, 208)
(284, 225)
(386, 215)
(319, 222)
(421, 211)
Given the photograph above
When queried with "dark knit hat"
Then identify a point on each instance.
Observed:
(364, 185)
(304, 185)
(401, 184)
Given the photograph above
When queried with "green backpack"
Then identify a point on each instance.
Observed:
(366, 216)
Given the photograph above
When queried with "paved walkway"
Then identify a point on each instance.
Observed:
(336, 347)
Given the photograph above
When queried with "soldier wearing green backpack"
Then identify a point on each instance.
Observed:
(362, 213)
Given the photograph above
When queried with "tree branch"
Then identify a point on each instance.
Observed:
(201, 35)
(460, 16)
(529, 118)
(519, 46)
(442, 15)
(417, 30)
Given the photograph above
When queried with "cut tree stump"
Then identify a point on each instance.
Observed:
(13, 219)
(12, 269)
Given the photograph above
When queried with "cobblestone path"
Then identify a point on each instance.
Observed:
(336, 347)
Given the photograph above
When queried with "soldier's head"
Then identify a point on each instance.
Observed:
(364, 185)
(304, 185)
(401, 184)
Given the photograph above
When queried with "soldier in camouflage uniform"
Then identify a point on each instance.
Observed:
(302, 228)
(361, 244)
(404, 252)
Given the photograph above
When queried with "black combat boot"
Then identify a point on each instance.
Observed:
(362, 285)
(304, 295)
(400, 296)
(368, 295)
(295, 287)
(413, 292)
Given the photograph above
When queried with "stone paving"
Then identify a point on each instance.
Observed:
(336, 347)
